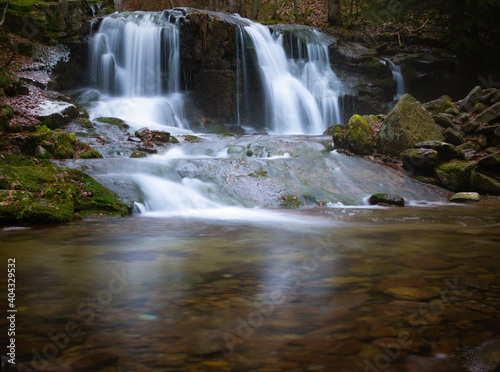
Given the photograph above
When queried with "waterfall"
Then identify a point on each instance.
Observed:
(397, 75)
(135, 66)
(301, 94)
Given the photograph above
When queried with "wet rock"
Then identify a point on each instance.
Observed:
(444, 120)
(332, 129)
(462, 197)
(148, 150)
(445, 150)
(407, 124)
(422, 160)
(56, 114)
(410, 293)
(114, 121)
(387, 199)
(484, 357)
(456, 175)
(358, 137)
(472, 99)
(453, 136)
(141, 133)
(134, 139)
(439, 105)
(485, 184)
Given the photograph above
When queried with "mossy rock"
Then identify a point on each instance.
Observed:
(38, 194)
(6, 113)
(138, 154)
(358, 137)
(192, 139)
(457, 175)
(406, 124)
(90, 154)
(386, 199)
(290, 201)
(438, 106)
(421, 160)
(114, 121)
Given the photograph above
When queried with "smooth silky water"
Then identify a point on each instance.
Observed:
(212, 272)
(321, 289)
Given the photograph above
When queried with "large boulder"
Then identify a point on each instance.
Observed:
(472, 99)
(439, 105)
(421, 159)
(407, 124)
(457, 175)
(358, 137)
(485, 184)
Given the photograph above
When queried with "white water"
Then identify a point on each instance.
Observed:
(301, 96)
(397, 75)
(136, 69)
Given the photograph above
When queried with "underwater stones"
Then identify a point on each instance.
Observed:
(484, 357)
(406, 124)
(456, 175)
(439, 105)
(358, 136)
(463, 197)
(411, 293)
(386, 199)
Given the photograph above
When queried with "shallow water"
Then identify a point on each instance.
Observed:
(315, 289)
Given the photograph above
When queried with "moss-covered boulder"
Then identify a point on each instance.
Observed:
(42, 194)
(439, 105)
(485, 184)
(457, 175)
(407, 124)
(386, 199)
(445, 150)
(358, 137)
(421, 160)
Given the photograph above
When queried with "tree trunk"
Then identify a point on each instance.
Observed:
(171, 2)
(296, 11)
(255, 9)
(334, 17)
(275, 9)
(232, 8)
(4, 12)
(243, 8)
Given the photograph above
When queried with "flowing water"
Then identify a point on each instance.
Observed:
(397, 75)
(214, 271)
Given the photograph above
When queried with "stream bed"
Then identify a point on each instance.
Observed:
(310, 289)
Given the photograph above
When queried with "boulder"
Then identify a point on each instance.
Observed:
(388, 199)
(456, 175)
(472, 99)
(485, 184)
(439, 105)
(490, 114)
(471, 126)
(491, 97)
(422, 160)
(444, 120)
(453, 136)
(358, 136)
(55, 114)
(407, 124)
(462, 197)
(490, 162)
(445, 150)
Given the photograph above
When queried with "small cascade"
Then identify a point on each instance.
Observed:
(135, 68)
(301, 90)
(397, 75)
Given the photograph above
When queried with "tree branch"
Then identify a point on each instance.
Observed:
(4, 12)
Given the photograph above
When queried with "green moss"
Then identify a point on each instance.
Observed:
(290, 201)
(260, 173)
(192, 139)
(113, 121)
(42, 129)
(91, 154)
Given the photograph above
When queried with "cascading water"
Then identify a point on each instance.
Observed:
(397, 75)
(135, 67)
(301, 94)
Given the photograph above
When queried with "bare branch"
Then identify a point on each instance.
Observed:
(4, 12)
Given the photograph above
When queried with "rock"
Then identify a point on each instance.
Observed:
(490, 114)
(55, 114)
(445, 150)
(138, 154)
(141, 133)
(491, 97)
(134, 139)
(41, 152)
(407, 124)
(478, 108)
(471, 126)
(148, 150)
(452, 111)
(422, 160)
(453, 136)
(113, 121)
(484, 357)
(410, 293)
(462, 197)
(456, 175)
(383, 198)
(358, 137)
(485, 184)
(160, 137)
(472, 99)
(439, 105)
(6, 113)
(332, 129)
(488, 129)
(490, 162)
(444, 120)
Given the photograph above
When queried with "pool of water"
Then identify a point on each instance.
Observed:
(314, 289)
